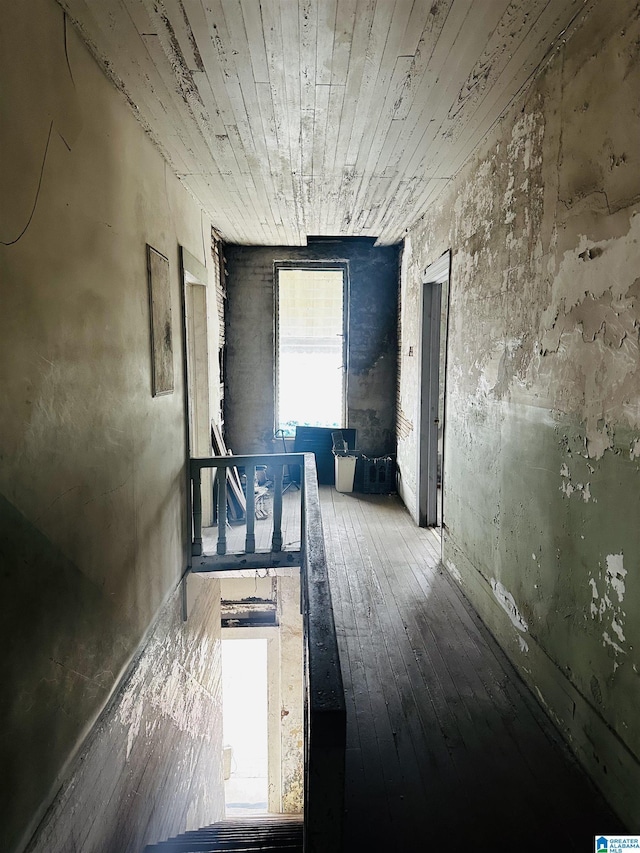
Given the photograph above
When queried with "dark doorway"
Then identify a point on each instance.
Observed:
(433, 359)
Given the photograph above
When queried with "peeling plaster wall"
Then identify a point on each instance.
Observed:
(372, 336)
(152, 766)
(291, 694)
(92, 475)
(542, 471)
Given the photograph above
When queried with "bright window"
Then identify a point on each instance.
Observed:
(310, 348)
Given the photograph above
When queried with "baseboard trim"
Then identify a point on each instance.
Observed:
(607, 760)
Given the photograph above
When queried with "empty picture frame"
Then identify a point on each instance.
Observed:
(160, 316)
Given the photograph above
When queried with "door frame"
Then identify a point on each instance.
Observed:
(192, 274)
(274, 704)
(432, 309)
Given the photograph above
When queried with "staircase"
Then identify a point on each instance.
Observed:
(272, 832)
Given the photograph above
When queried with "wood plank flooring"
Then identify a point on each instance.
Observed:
(446, 747)
(236, 531)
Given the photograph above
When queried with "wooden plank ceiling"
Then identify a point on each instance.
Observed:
(288, 118)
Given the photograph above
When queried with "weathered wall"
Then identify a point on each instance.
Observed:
(542, 439)
(291, 694)
(91, 465)
(372, 335)
(152, 766)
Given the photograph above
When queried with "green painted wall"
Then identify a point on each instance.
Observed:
(542, 437)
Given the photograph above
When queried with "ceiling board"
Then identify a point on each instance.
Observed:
(327, 117)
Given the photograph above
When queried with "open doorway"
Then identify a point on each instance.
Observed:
(245, 726)
(263, 709)
(197, 401)
(310, 348)
(432, 409)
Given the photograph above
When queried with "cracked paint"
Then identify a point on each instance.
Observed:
(616, 574)
(508, 604)
(593, 320)
(543, 415)
(568, 487)
(604, 609)
(453, 571)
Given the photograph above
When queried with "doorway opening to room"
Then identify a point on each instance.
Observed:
(245, 726)
(311, 352)
(197, 402)
(262, 692)
(432, 407)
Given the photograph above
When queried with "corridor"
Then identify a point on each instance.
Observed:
(473, 169)
(446, 747)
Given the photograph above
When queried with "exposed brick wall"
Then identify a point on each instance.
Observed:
(220, 283)
(372, 341)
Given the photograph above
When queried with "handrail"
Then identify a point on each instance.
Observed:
(326, 717)
(325, 710)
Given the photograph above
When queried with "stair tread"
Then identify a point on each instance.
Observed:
(242, 835)
(180, 846)
(169, 847)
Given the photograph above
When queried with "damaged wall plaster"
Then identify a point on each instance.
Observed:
(506, 601)
(92, 472)
(542, 437)
(606, 606)
(291, 694)
(173, 700)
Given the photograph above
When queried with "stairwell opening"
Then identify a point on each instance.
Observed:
(262, 681)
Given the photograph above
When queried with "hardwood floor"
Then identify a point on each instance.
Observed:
(263, 527)
(446, 747)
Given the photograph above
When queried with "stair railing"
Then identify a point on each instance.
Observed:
(248, 558)
(325, 711)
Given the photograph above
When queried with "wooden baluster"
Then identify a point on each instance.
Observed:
(276, 541)
(250, 541)
(222, 510)
(196, 478)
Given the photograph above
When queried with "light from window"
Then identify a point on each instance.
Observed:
(310, 348)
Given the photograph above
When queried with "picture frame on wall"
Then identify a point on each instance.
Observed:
(160, 322)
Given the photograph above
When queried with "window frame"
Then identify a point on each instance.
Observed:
(319, 265)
